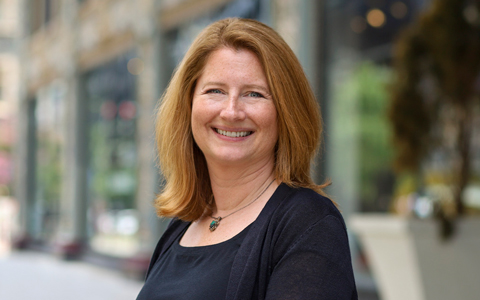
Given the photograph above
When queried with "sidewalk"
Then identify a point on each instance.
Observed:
(31, 275)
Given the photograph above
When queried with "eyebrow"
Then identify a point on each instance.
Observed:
(248, 86)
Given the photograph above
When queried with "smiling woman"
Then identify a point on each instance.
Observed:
(232, 121)
(237, 129)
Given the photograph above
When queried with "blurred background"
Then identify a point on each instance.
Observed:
(79, 83)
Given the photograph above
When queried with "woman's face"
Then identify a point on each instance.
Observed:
(234, 120)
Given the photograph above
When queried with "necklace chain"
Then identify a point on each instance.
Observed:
(216, 220)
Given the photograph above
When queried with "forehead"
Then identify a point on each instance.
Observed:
(228, 62)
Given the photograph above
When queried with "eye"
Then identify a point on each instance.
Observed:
(255, 95)
(213, 91)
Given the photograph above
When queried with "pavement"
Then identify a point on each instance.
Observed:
(26, 275)
(29, 275)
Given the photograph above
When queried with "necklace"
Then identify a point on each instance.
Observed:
(216, 220)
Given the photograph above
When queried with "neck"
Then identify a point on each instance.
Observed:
(236, 187)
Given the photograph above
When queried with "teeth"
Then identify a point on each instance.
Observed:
(233, 133)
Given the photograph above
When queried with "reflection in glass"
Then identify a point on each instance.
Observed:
(112, 168)
(49, 115)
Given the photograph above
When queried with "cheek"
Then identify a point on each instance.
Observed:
(195, 118)
(202, 114)
(198, 108)
(269, 119)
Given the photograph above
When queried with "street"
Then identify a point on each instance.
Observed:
(31, 275)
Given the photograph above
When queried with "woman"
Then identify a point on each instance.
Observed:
(237, 130)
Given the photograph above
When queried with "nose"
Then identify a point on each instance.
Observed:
(233, 109)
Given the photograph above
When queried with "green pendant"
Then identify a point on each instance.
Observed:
(214, 224)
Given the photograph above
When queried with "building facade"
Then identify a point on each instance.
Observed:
(93, 71)
(10, 30)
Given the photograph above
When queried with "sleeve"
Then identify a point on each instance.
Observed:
(317, 265)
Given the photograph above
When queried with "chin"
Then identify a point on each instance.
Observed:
(232, 159)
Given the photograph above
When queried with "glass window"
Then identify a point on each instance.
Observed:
(49, 115)
(359, 41)
(180, 38)
(112, 166)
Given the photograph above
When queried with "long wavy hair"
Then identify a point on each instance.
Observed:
(187, 191)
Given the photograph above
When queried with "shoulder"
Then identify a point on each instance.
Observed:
(305, 207)
(305, 218)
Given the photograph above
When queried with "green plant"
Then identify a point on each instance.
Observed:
(374, 133)
(436, 93)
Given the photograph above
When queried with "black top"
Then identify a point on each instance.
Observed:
(194, 273)
(297, 248)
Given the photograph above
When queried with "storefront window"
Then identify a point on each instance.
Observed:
(359, 45)
(181, 37)
(49, 115)
(112, 167)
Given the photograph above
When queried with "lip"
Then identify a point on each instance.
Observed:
(234, 129)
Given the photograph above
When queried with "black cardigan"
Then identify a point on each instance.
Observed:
(297, 248)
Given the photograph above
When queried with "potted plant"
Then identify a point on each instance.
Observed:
(435, 114)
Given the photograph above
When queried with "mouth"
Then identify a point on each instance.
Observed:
(234, 134)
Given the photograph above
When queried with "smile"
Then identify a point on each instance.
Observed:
(233, 133)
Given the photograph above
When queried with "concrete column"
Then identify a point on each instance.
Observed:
(24, 149)
(148, 93)
(149, 87)
(72, 234)
(72, 231)
(310, 54)
(25, 169)
(300, 23)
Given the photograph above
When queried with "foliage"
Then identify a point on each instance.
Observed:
(361, 131)
(49, 170)
(374, 135)
(436, 89)
(113, 169)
